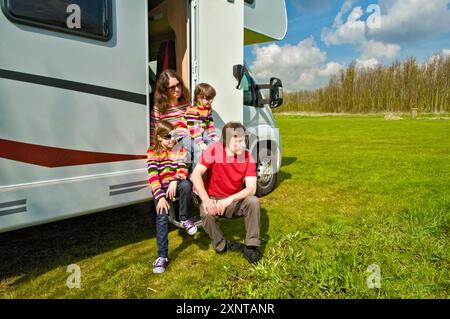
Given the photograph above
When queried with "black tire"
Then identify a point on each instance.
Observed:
(265, 170)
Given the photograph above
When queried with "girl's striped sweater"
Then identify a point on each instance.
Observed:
(198, 120)
(165, 167)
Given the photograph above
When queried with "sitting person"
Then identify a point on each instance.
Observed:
(171, 98)
(229, 165)
(199, 120)
(168, 175)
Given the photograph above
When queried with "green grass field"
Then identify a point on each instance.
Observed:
(352, 192)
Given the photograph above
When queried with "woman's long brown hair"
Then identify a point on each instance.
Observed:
(162, 129)
(161, 87)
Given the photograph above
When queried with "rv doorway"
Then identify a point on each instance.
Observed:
(168, 49)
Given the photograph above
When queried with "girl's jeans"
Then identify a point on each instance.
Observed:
(184, 190)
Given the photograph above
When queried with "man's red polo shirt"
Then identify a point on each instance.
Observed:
(226, 173)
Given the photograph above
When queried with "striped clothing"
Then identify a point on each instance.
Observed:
(165, 167)
(199, 120)
(174, 114)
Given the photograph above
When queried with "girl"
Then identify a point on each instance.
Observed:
(199, 120)
(168, 175)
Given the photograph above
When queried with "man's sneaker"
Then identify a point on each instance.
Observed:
(234, 246)
(189, 226)
(252, 254)
(160, 264)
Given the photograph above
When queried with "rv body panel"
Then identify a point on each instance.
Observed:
(74, 119)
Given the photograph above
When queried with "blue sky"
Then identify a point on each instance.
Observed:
(324, 36)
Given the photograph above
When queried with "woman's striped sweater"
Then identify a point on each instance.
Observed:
(165, 167)
(174, 114)
(198, 120)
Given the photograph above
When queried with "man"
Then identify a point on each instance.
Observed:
(223, 194)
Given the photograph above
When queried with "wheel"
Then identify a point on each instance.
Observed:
(266, 170)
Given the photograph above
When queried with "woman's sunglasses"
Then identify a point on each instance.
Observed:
(173, 87)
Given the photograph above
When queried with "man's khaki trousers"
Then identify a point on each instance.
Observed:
(248, 207)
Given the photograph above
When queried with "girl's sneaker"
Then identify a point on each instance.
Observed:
(160, 264)
(189, 226)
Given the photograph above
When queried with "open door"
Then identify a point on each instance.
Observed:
(217, 34)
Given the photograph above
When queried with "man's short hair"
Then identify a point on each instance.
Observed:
(230, 130)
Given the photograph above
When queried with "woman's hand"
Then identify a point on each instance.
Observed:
(172, 190)
(163, 206)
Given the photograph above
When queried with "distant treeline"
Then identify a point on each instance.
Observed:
(396, 88)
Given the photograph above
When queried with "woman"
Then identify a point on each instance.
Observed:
(171, 100)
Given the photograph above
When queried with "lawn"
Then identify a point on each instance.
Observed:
(352, 192)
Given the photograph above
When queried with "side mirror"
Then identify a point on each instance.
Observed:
(276, 92)
(238, 73)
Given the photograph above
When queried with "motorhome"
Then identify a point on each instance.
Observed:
(75, 95)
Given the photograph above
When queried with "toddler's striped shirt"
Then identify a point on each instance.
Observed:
(198, 120)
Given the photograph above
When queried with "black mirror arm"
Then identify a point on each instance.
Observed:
(238, 73)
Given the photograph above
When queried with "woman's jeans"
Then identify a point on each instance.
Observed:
(184, 191)
(193, 150)
(197, 151)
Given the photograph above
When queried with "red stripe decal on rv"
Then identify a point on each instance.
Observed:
(57, 157)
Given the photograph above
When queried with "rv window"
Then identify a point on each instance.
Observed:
(82, 17)
(247, 85)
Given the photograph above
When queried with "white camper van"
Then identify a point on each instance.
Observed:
(75, 87)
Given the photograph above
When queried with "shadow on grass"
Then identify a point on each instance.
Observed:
(29, 252)
(282, 175)
(234, 229)
(286, 161)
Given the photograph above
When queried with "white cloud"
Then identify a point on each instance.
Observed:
(374, 49)
(301, 66)
(367, 64)
(445, 53)
(411, 20)
(351, 32)
(400, 21)
(346, 7)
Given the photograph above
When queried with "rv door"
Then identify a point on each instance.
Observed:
(217, 34)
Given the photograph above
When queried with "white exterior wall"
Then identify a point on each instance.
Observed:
(219, 45)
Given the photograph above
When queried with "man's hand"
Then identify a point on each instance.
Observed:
(223, 204)
(172, 190)
(210, 207)
(162, 207)
(203, 146)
